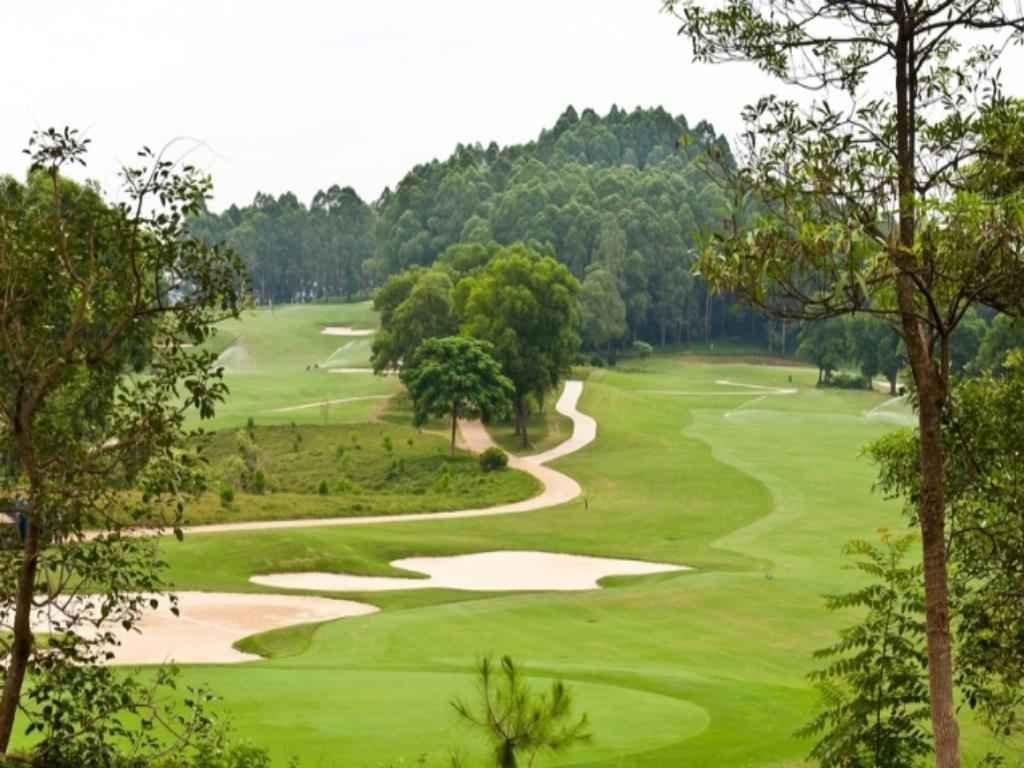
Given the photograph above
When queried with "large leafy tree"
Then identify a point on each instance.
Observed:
(602, 310)
(99, 306)
(825, 345)
(414, 305)
(857, 201)
(982, 435)
(456, 376)
(525, 305)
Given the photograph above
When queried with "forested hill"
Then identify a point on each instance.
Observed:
(621, 191)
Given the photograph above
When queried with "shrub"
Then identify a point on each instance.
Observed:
(258, 484)
(848, 381)
(597, 361)
(492, 459)
(227, 495)
(388, 446)
(396, 469)
(642, 349)
(322, 488)
(444, 482)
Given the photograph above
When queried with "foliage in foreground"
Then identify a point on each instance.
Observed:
(874, 691)
(104, 312)
(983, 436)
(519, 723)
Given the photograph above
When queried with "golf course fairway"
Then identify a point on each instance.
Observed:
(756, 492)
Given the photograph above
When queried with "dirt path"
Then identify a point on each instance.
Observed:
(558, 488)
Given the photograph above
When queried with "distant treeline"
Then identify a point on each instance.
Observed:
(619, 193)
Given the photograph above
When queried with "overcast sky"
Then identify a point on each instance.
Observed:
(302, 94)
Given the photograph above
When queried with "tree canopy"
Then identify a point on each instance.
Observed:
(458, 377)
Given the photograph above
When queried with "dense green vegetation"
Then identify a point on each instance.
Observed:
(620, 193)
(341, 470)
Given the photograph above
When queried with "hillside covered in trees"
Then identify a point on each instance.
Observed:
(616, 198)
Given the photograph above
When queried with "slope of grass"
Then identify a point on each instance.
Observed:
(365, 469)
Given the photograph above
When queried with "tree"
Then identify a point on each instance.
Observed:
(861, 202)
(875, 689)
(525, 306)
(876, 348)
(518, 722)
(823, 344)
(982, 434)
(1003, 336)
(414, 306)
(602, 310)
(98, 307)
(456, 376)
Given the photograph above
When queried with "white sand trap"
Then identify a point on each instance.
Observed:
(335, 401)
(756, 388)
(211, 622)
(344, 330)
(479, 572)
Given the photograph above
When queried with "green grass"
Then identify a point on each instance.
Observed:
(545, 430)
(368, 469)
(269, 356)
(699, 668)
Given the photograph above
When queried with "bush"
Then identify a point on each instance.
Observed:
(258, 484)
(642, 349)
(227, 495)
(322, 489)
(848, 381)
(444, 482)
(597, 361)
(492, 459)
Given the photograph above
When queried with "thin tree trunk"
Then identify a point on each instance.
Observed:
(931, 386)
(707, 315)
(455, 418)
(522, 415)
(22, 641)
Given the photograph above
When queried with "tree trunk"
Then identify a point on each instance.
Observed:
(892, 384)
(521, 414)
(455, 418)
(931, 387)
(931, 383)
(22, 640)
(707, 315)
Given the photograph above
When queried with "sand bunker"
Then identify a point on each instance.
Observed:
(335, 401)
(211, 622)
(479, 572)
(344, 330)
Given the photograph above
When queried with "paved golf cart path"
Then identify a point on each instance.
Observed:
(558, 488)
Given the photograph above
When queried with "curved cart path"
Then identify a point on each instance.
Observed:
(558, 488)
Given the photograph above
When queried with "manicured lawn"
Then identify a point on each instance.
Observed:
(704, 668)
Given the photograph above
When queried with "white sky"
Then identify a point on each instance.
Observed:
(299, 94)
